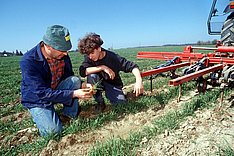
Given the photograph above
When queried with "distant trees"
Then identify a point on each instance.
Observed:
(19, 53)
(207, 42)
(16, 53)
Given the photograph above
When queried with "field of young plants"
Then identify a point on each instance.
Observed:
(152, 124)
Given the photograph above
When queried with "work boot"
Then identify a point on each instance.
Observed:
(66, 119)
(99, 108)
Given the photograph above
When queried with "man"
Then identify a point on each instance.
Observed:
(48, 78)
(103, 66)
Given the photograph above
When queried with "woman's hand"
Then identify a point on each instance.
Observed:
(138, 88)
(109, 71)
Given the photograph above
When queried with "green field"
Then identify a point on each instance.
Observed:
(14, 117)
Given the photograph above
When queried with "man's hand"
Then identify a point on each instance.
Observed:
(83, 93)
(86, 85)
(89, 87)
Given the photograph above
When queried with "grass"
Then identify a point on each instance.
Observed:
(225, 149)
(11, 127)
(170, 121)
(10, 95)
(10, 84)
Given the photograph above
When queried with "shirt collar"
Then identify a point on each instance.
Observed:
(38, 54)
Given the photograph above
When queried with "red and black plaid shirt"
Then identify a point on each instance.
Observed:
(57, 70)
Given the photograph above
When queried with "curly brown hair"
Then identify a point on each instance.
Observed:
(90, 42)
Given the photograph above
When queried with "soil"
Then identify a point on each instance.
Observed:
(201, 134)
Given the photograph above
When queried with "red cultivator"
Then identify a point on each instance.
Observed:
(219, 64)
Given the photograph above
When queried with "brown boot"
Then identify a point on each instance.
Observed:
(66, 119)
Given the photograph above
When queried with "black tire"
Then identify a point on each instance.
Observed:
(201, 85)
(227, 33)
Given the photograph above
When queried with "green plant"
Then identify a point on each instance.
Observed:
(96, 86)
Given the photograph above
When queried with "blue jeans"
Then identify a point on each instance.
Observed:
(113, 93)
(47, 119)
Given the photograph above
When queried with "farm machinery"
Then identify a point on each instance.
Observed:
(215, 68)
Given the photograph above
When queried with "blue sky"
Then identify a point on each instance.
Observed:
(121, 23)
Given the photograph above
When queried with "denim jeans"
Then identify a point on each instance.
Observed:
(113, 93)
(47, 119)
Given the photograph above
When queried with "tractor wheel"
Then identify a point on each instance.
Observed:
(214, 78)
(227, 33)
(173, 74)
(201, 85)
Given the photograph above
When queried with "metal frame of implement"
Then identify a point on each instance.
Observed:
(221, 56)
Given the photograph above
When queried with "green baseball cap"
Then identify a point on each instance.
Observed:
(58, 37)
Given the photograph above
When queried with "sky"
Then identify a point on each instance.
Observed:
(120, 23)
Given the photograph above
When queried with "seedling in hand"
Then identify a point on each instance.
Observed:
(96, 87)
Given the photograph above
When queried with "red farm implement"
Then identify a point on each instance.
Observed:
(219, 65)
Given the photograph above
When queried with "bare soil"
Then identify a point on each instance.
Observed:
(202, 134)
(199, 135)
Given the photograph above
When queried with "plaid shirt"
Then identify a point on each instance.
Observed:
(57, 70)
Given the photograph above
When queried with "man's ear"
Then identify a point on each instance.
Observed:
(49, 47)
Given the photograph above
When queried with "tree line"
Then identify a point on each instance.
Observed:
(19, 53)
(207, 42)
(16, 53)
